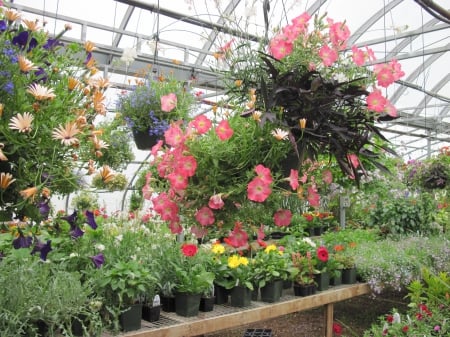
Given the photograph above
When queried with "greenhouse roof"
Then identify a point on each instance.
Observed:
(181, 36)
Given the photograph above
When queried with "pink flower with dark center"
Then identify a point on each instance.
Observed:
(258, 190)
(328, 55)
(293, 179)
(264, 173)
(376, 101)
(168, 102)
(202, 124)
(282, 218)
(223, 130)
(205, 216)
(216, 202)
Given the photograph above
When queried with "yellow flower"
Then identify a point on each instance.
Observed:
(233, 261)
(218, 249)
(270, 248)
(302, 123)
(243, 260)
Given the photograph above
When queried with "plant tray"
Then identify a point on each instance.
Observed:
(258, 333)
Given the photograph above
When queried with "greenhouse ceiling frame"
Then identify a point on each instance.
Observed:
(424, 127)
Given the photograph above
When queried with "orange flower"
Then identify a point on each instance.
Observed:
(6, 179)
(106, 174)
(25, 64)
(29, 192)
(40, 92)
(89, 46)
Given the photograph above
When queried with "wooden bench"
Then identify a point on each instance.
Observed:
(225, 316)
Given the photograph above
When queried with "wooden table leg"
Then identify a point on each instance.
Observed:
(329, 319)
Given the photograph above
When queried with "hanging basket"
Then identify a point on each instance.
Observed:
(143, 140)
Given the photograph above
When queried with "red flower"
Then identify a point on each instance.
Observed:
(337, 329)
(322, 254)
(389, 318)
(405, 328)
(189, 249)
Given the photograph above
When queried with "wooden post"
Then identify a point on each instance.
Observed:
(329, 319)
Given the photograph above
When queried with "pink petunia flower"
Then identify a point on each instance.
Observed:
(328, 55)
(258, 190)
(216, 202)
(282, 218)
(280, 47)
(327, 177)
(293, 179)
(376, 101)
(202, 124)
(205, 216)
(168, 102)
(224, 131)
(238, 237)
(313, 196)
(186, 165)
(177, 180)
(174, 135)
(264, 173)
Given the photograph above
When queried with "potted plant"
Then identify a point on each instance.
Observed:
(192, 279)
(304, 284)
(271, 266)
(207, 299)
(123, 285)
(151, 105)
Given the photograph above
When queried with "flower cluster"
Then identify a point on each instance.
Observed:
(151, 105)
(50, 96)
(320, 91)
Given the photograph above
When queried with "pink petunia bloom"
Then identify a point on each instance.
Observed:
(202, 124)
(328, 55)
(390, 109)
(376, 101)
(293, 179)
(175, 227)
(339, 34)
(174, 135)
(258, 190)
(168, 102)
(313, 196)
(358, 56)
(327, 177)
(216, 202)
(177, 180)
(264, 173)
(205, 216)
(186, 165)
(370, 54)
(169, 211)
(156, 148)
(396, 69)
(199, 231)
(147, 192)
(279, 47)
(224, 131)
(301, 21)
(385, 77)
(282, 218)
(238, 237)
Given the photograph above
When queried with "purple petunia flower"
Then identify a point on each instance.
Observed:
(22, 241)
(90, 219)
(76, 232)
(98, 260)
(52, 43)
(22, 39)
(44, 208)
(43, 249)
(3, 25)
(41, 75)
(71, 219)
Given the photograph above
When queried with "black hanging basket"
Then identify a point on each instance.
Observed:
(143, 140)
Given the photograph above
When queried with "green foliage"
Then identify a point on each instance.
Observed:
(405, 215)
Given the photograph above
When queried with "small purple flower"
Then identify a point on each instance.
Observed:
(43, 249)
(98, 260)
(437, 328)
(22, 241)
(52, 44)
(22, 39)
(76, 232)
(71, 219)
(90, 219)
(8, 87)
(3, 25)
(44, 208)
(41, 75)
